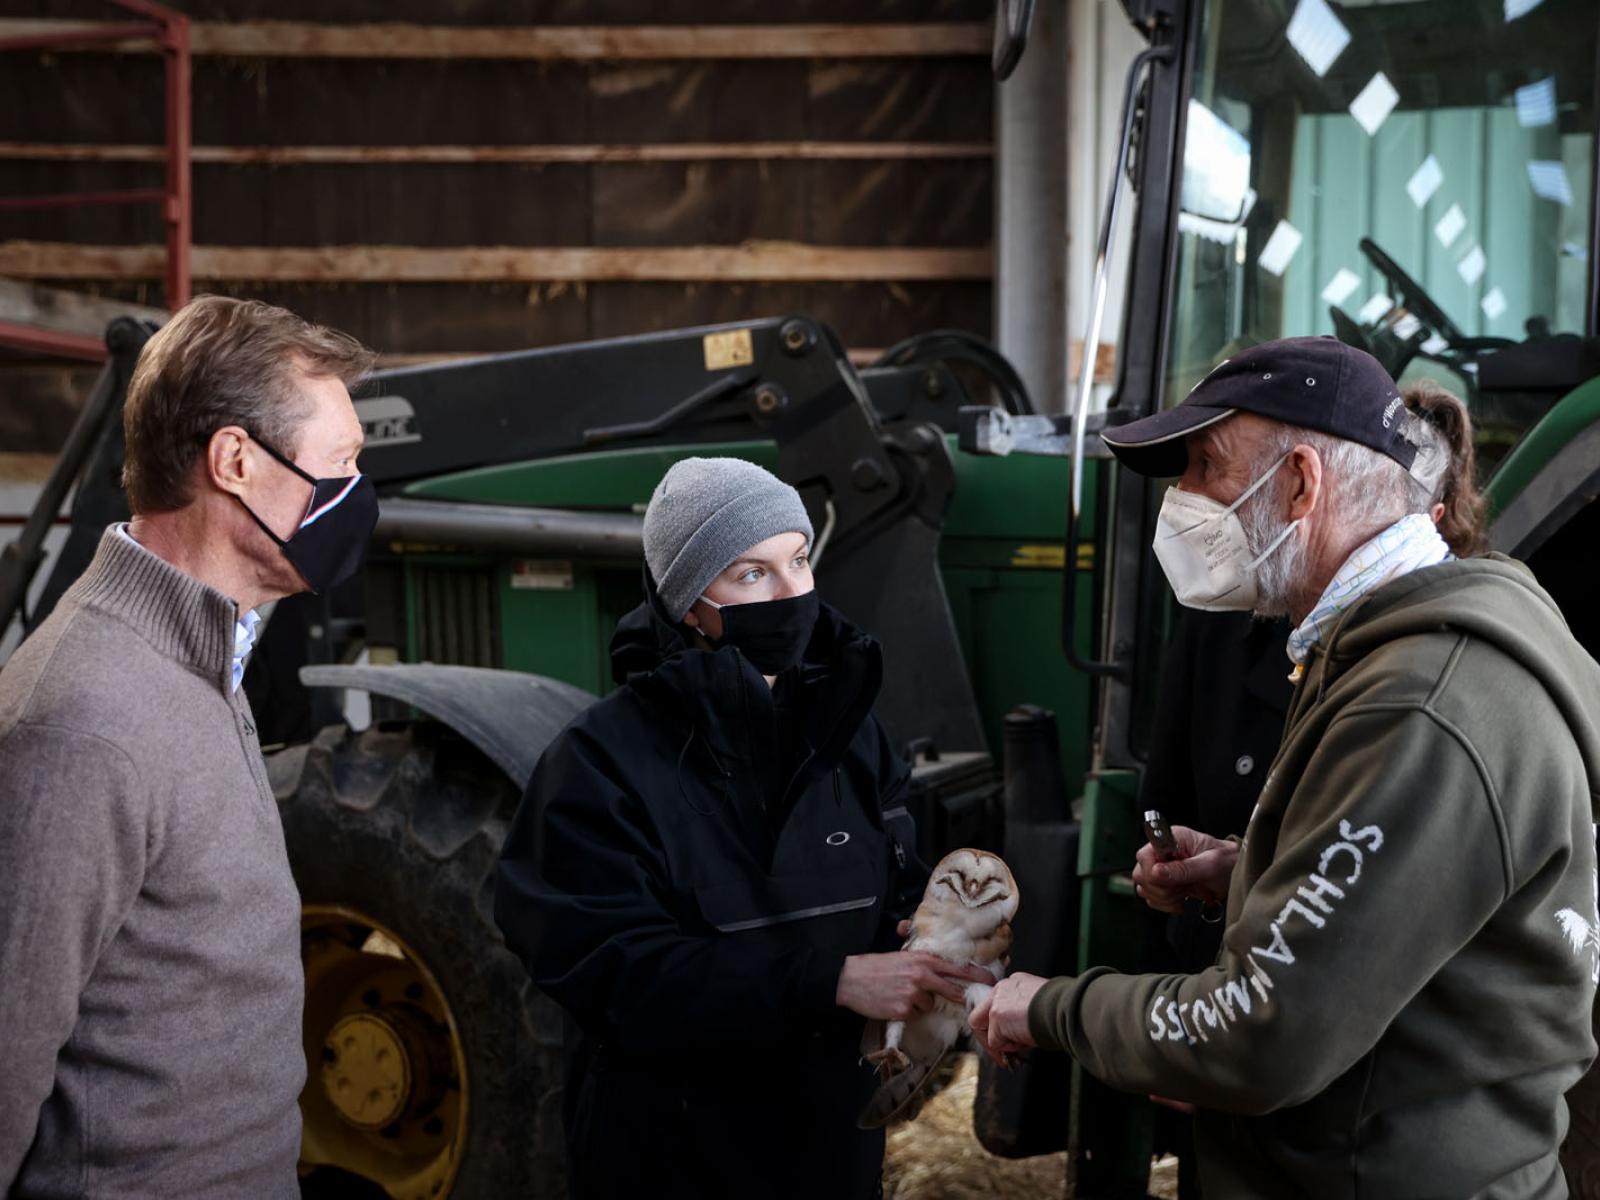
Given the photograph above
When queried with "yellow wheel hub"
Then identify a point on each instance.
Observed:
(365, 1072)
(386, 1079)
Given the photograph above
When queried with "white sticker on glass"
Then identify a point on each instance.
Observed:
(1471, 267)
(1318, 35)
(1375, 309)
(1450, 226)
(1435, 345)
(1520, 8)
(1407, 327)
(1221, 232)
(1536, 104)
(1549, 179)
(1340, 286)
(1376, 101)
(1494, 304)
(1280, 248)
(1425, 181)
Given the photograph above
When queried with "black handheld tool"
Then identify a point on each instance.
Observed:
(1159, 834)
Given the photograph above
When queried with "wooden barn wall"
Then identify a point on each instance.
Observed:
(936, 197)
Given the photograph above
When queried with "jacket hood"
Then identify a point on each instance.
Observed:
(1496, 599)
(657, 657)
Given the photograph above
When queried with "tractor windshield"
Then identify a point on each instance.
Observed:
(1411, 175)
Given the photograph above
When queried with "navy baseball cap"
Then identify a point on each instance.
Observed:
(1315, 382)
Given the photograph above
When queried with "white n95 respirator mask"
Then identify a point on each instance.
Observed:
(1202, 548)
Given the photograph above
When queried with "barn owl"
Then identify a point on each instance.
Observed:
(965, 917)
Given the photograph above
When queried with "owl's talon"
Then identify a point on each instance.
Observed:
(891, 1060)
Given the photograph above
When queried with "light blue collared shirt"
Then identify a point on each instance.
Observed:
(244, 641)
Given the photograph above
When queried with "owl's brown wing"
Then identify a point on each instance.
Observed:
(895, 1094)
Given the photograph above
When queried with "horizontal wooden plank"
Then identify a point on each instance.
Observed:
(19, 468)
(42, 400)
(299, 39)
(750, 262)
(445, 102)
(582, 153)
(63, 311)
(497, 317)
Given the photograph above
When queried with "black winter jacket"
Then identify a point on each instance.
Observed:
(1219, 716)
(695, 857)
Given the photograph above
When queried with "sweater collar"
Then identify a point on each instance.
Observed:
(179, 616)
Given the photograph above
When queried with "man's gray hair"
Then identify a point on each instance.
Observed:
(1371, 490)
(1365, 490)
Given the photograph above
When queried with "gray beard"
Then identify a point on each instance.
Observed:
(1276, 575)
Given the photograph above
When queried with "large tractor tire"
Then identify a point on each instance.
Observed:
(433, 1067)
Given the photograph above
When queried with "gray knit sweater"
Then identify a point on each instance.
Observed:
(150, 984)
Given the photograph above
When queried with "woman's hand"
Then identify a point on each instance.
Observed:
(1200, 872)
(902, 983)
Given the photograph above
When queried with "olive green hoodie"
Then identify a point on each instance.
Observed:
(1404, 989)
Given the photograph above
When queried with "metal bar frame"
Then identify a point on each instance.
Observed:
(1128, 502)
(178, 211)
(50, 341)
(170, 31)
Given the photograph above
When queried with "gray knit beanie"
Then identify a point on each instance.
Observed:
(705, 513)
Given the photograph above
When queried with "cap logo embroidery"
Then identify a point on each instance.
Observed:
(1388, 413)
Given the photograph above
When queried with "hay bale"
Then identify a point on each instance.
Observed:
(937, 1156)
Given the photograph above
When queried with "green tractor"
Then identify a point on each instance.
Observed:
(1416, 178)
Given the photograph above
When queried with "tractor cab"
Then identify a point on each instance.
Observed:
(1413, 178)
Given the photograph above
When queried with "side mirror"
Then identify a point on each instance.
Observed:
(1216, 169)
(1012, 19)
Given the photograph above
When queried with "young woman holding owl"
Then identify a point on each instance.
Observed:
(709, 866)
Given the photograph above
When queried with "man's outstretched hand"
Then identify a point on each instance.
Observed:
(1000, 1022)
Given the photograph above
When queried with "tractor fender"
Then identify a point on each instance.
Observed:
(509, 715)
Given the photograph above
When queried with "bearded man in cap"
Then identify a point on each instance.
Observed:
(1406, 979)
(709, 866)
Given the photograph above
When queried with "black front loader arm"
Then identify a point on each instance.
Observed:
(866, 450)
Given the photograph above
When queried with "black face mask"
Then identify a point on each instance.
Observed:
(772, 634)
(331, 540)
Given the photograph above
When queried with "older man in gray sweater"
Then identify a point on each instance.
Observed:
(150, 983)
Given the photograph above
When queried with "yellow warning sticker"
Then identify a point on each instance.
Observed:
(1052, 557)
(730, 349)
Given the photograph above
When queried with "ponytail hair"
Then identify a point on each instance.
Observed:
(1451, 481)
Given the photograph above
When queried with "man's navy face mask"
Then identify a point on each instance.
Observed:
(772, 634)
(328, 545)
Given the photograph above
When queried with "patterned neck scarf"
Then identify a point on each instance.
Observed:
(1410, 544)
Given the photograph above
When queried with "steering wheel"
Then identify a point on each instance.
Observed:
(1411, 293)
